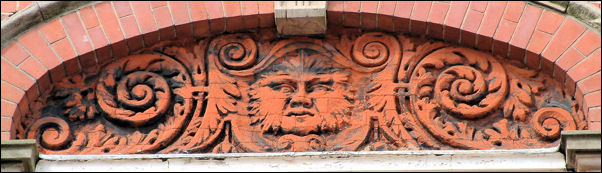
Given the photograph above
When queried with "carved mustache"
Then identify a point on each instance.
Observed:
(299, 112)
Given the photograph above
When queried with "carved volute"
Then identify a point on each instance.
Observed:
(348, 91)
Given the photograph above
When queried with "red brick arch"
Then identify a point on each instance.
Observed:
(94, 35)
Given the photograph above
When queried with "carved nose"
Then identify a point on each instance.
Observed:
(297, 101)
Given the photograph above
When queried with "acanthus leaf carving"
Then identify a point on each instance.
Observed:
(253, 92)
(522, 87)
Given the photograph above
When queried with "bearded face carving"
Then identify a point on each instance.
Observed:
(297, 97)
(302, 95)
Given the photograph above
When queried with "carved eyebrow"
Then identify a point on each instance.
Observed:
(273, 81)
(273, 84)
(263, 79)
(320, 79)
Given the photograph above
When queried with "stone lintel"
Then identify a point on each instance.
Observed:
(420, 160)
(19, 155)
(300, 17)
(581, 149)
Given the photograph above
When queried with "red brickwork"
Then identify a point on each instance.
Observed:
(95, 35)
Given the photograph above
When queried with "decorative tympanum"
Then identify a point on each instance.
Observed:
(253, 92)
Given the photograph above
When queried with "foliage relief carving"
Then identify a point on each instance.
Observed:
(348, 91)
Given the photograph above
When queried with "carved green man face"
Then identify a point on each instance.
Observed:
(301, 95)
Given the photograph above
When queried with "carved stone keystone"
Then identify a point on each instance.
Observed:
(19, 155)
(581, 149)
(300, 17)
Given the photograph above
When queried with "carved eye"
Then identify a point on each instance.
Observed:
(320, 87)
(285, 88)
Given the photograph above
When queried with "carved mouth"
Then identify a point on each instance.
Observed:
(299, 113)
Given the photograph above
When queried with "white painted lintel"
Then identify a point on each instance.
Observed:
(436, 160)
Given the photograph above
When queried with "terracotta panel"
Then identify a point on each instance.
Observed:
(262, 93)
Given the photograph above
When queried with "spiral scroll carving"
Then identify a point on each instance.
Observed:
(54, 132)
(371, 54)
(234, 52)
(464, 83)
(373, 50)
(140, 96)
(548, 122)
(470, 84)
(140, 89)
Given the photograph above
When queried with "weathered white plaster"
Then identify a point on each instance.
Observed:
(489, 160)
(300, 17)
(118, 165)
